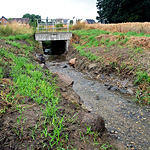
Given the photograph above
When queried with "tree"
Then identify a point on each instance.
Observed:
(32, 18)
(116, 11)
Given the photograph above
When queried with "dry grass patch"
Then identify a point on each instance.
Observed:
(123, 27)
(15, 28)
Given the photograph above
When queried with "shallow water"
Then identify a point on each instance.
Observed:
(123, 117)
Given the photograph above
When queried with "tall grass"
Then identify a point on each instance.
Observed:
(15, 28)
(123, 27)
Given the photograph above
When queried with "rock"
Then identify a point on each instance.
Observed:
(130, 91)
(97, 97)
(109, 87)
(72, 61)
(123, 91)
(42, 65)
(64, 77)
(124, 83)
(110, 75)
(114, 88)
(65, 66)
(40, 58)
(103, 77)
(106, 84)
(47, 51)
(92, 66)
(95, 121)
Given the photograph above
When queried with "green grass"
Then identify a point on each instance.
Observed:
(142, 77)
(1, 72)
(32, 82)
(82, 52)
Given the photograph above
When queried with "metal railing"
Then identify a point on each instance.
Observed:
(51, 25)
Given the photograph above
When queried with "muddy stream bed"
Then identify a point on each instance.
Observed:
(129, 122)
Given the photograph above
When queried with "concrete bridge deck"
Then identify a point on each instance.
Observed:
(53, 36)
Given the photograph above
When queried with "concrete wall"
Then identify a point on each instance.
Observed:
(53, 36)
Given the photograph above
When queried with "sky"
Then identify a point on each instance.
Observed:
(81, 9)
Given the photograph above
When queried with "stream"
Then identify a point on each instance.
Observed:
(129, 121)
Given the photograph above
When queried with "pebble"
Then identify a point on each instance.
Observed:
(123, 91)
(97, 97)
(109, 87)
(106, 84)
(130, 91)
(65, 66)
(115, 88)
(103, 77)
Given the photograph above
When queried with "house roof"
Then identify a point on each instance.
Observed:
(3, 17)
(22, 20)
(90, 21)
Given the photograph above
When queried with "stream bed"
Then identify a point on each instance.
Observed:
(129, 121)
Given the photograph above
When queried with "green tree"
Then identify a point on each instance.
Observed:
(32, 18)
(116, 11)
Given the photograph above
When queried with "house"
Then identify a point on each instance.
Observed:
(65, 21)
(59, 20)
(90, 21)
(3, 20)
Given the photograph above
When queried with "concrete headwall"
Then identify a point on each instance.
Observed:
(53, 36)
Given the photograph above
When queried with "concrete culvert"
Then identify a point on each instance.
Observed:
(58, 47)
(54, 47)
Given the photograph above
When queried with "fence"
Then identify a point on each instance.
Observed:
(51, 25)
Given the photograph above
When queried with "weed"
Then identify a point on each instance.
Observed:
(19, 119)
(3, 111)
(1, 72)
(105, 146)
(141, 77)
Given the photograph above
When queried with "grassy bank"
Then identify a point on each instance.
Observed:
(124, 52)
(29, 82)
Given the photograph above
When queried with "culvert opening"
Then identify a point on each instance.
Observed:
(54, 47)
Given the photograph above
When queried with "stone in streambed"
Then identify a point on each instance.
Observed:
(72, 61)
(65, 78)
(95, 121)
(106, 84)
(109, 87)
(123, 91)
(130, 91)
(114, 88)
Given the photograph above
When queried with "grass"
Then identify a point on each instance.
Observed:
(32, 82)
(15, 28)
(142, 77)
(133, 28)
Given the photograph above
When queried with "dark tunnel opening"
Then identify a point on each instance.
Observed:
(54, 47)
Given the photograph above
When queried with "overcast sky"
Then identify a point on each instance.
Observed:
(81, 9)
